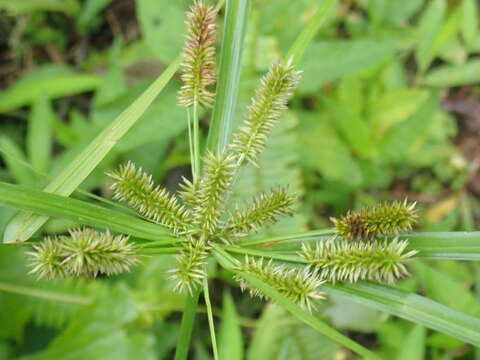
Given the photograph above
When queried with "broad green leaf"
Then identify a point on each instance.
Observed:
(221, 124)
(330, 60)
(90, 11)
(454, 75)
(230, 342)
(16, 162)
(162, 23)
(393, 107)
(309, 31)
(80, 211)
(397, 142)
(39, 134)
(434, 32)
(414, 346)
(49, 81)
(113, 83)
(25, 225)
(469, 23)
(321, 149)
(398, 12)
(414, 308)
(441, 287)
(266, 333)
(307, 318)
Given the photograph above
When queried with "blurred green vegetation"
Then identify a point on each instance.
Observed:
(389, 108)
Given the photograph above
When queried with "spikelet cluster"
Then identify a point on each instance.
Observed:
(85, 252)
(191, 265)
(353, 261)
(300, 286)
(265, 209)
(137, 189)
(270, 99)
(388, 219)
(198, 67)
(214, 186)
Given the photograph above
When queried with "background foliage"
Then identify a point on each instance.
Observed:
(389, 108)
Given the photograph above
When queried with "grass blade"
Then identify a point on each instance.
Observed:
(229, 75)
(39, 135)
(188, 320)
(307, 318)
(308, 33)
(457, 245)
(85, 213)
(414, 308)
(24, 225)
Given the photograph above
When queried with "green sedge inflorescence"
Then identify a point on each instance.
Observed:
(200, 216)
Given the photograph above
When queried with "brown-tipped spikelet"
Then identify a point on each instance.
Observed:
(85, 252)
(137, 189)
(388, 219)
(270, 99)
(300, 286)
(352, 261)
(198, 67)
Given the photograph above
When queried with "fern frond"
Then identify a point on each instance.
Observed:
(354, 261)
(213, 189)
(381, 220)
(300, 286)
(84, 253)
(265, 209)
(137, 189)
(190, 266)
(198, 56)
(270, 99)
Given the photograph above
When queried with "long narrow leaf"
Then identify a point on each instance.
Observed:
(413, 307)
(85, 213)
(308, 33)
(229, 78)
(307, 318)
(458, 245)
(24, 225)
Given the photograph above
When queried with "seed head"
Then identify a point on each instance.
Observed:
(300, 286)
(388, 219)
(198, 56)
(354, 261)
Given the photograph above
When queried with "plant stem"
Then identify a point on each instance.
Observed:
(295, 236)
(266, 254)
(211, 325)
(159, 251)
(188, 318)
(190, 140)
(196, 142)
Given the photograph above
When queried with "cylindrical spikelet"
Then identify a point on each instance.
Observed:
(300, 286)
(388, 219)
(138, 190)
(213, 190)
(198, 67)
(354, 261)
(84, 253)
(191, 265)
(270, 99)
(265, 209)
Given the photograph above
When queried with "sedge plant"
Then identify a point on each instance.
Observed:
(201, 223)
